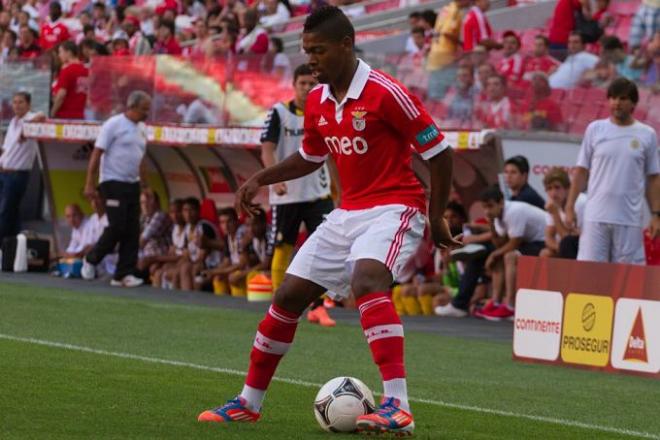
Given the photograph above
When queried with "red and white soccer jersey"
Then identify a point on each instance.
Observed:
(52, 34)
(512, 68)
(475, 29)
(545, 64)
(369, 135)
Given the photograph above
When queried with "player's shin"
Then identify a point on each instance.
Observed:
(274, 336)
(384, 333)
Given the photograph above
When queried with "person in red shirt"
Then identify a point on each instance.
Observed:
(496, 111)
(70, 88)
(166, 42)
(367, 121)
(476, 28)
(53, 31)
(27, 44)
(513, 64)
(561, 25)
(540, 61)
(541, 112)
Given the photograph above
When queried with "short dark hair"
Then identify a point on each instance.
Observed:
(546, 41)
(12, 33)
(193, 202)
(303, 69)
(491, 194)
(69, 46)
(519, 162)
(429, 16)
(577, 34)
(277, 43)
(168, 24)
(229, 212)
(177, 203)
(25, 95)
(88, 28)
(623, 88)
(611, 42)
(458, 209)
(331, 22)
(415, 14)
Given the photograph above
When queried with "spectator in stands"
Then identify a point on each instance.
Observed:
(156, 230)
(601, 75)
(612, 50)
(203, 45)
(476, 28)
(122, 145)
(53, 31)
(496, 111)
(89, 49)
(281, 65)
(516, 175)
(137, 42)
(24, 19)
(76, 220)
(71, 87)
(27, 44)
(517, 228)
(16, 159)
(460, 99)
(562, 24)
(119, 44)
(512, 65)
(540, 61)
(254, 38)
(427, 23)
(541, 112)
(414, 21)
(275, 14)
(652, 75)
(7, 45)
(560, 240)
(445, 45)
(419, 42)
(484, 71)
(570, 72)
(166, 42)
(619, 159)
(645, 23)
(31, 7)
(5, 20)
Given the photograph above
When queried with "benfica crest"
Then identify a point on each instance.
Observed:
(359, 123)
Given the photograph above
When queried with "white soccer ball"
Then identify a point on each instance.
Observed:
(340, 402)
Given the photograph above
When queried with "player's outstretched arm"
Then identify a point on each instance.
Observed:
(441, 174)
(292, 167)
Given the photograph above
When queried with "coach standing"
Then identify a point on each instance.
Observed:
(619, 156)
(119, 153)
(16, 159)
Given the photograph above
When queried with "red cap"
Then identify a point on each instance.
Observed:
(132, 20)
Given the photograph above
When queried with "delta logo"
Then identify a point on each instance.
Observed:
(587, 331)
(636, 348)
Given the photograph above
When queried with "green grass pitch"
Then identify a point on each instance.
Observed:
(92, 366)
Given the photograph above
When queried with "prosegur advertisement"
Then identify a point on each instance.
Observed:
(595, 315)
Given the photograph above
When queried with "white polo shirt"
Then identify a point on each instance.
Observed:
(124, 143)
(619, 160)
(17, 153)
(521, 220)
(569, 72)
(77, 242)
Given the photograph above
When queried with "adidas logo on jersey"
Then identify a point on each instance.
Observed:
(322, 121)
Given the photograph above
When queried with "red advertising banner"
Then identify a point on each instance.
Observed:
(592, 315)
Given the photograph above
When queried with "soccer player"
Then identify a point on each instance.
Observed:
(619, 161)
(306, 199)
(367, 121)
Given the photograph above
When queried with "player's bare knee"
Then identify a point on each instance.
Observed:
(511, 257)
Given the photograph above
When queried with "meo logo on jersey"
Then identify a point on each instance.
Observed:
(345, 145)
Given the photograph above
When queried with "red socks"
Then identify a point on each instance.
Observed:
(384, 333)
(274, 336)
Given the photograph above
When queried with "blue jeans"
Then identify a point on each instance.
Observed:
(12, 188)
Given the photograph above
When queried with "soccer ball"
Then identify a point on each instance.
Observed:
(339, 403)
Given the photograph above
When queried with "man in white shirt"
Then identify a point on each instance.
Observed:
(560, 240)
(569, 73)
(119, 153)
(619, 158)
(76, 220)
(16, 159)
(517, 228)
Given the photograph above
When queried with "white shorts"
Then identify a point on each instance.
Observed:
(389, 234)
(611, 243)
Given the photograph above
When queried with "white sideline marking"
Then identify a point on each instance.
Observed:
(552, 420)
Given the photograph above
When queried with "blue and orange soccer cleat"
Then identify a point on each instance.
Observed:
(234, 410)
(387, 419)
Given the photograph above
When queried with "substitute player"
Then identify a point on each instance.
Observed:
(367, 121)
(306, 199)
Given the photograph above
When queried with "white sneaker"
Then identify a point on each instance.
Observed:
(450, 311)
(127, 281)
(88, 271)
